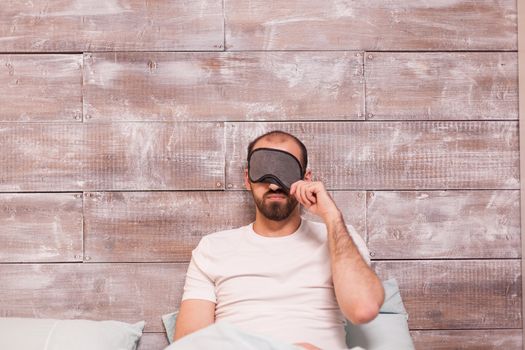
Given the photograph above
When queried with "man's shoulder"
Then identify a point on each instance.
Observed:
(223, 238)
(226, 233)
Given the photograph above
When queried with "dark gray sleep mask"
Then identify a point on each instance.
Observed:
(275, 166)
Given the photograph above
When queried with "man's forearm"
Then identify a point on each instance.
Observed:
(358, 290)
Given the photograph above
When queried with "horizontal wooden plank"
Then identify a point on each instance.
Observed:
(487, 339)
(153, 341)
(40, 227)
(223, 86)
(166, 226)
(139, 156)
(394, 155)
(122, 292)
(371, 25)
(107, 25)
(444, 224)
(441, 85)
(40, 87)
(458, 294)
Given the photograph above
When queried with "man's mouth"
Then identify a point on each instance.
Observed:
(276, 196)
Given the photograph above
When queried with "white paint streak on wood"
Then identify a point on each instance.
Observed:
(206, 86)
(449, 224)
(40, 87)
(458, 294)
(40, 227)
(112, 156)
(186, 73)
(86, 8)
(371, 25)
(442, 86)
(100, 25)
(127, 292)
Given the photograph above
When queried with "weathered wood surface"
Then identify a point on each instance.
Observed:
(40, 227)
(153, 341)
(444, 224)
(123, 292)
(458, 294)
(465, 294)
(116, 156)
(486, 339)
(371, 25)
(223, 86)
(441, 85)
(394, 155)
(166, 226)
(106, 25)
(40, 88)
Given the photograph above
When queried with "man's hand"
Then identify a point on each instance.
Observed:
(358, 290)
(314, 197)
(307, 346)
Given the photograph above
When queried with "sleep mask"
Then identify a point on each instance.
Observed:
(274, 166)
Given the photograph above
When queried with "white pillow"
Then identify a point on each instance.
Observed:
(52, 334)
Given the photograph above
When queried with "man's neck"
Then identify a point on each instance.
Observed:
(270, 228)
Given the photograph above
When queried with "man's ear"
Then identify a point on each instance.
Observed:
(308, 175)
(247, 180)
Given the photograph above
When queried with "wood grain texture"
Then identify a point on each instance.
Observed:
(139, 156)
(224, 86)
(394, 155)
(40, 227)
(371, 25)
(508, 339)
(153, 341)
(122, 292)
(458, 294)
(441, 85)
(107, 25)
(166, 226)
(444, 224)
(40, 88)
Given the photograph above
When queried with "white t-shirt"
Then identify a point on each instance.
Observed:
(279, 287)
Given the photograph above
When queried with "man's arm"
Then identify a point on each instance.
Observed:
(194, 314)
(358, 290)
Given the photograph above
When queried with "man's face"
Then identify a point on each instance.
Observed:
(271, 200)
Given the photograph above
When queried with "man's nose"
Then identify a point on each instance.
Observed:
(274, 187)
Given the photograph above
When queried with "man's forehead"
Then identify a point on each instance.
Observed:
(287, 145)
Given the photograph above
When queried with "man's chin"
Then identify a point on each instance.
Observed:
(276, 216)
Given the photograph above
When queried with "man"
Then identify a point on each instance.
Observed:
(283, 276)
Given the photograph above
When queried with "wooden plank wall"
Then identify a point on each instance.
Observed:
(124, 126)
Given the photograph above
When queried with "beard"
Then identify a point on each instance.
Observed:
(276, 210)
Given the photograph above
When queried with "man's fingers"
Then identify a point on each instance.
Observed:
(304, 197)
(292, 188)
(310, 195)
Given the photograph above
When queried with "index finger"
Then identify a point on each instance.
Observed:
(293, 186)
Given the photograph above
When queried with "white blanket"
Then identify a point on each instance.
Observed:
(225, 336)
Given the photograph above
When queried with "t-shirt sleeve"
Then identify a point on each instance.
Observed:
(360, 243)
(199, 283)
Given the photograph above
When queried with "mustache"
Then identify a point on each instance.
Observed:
(269, 193)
